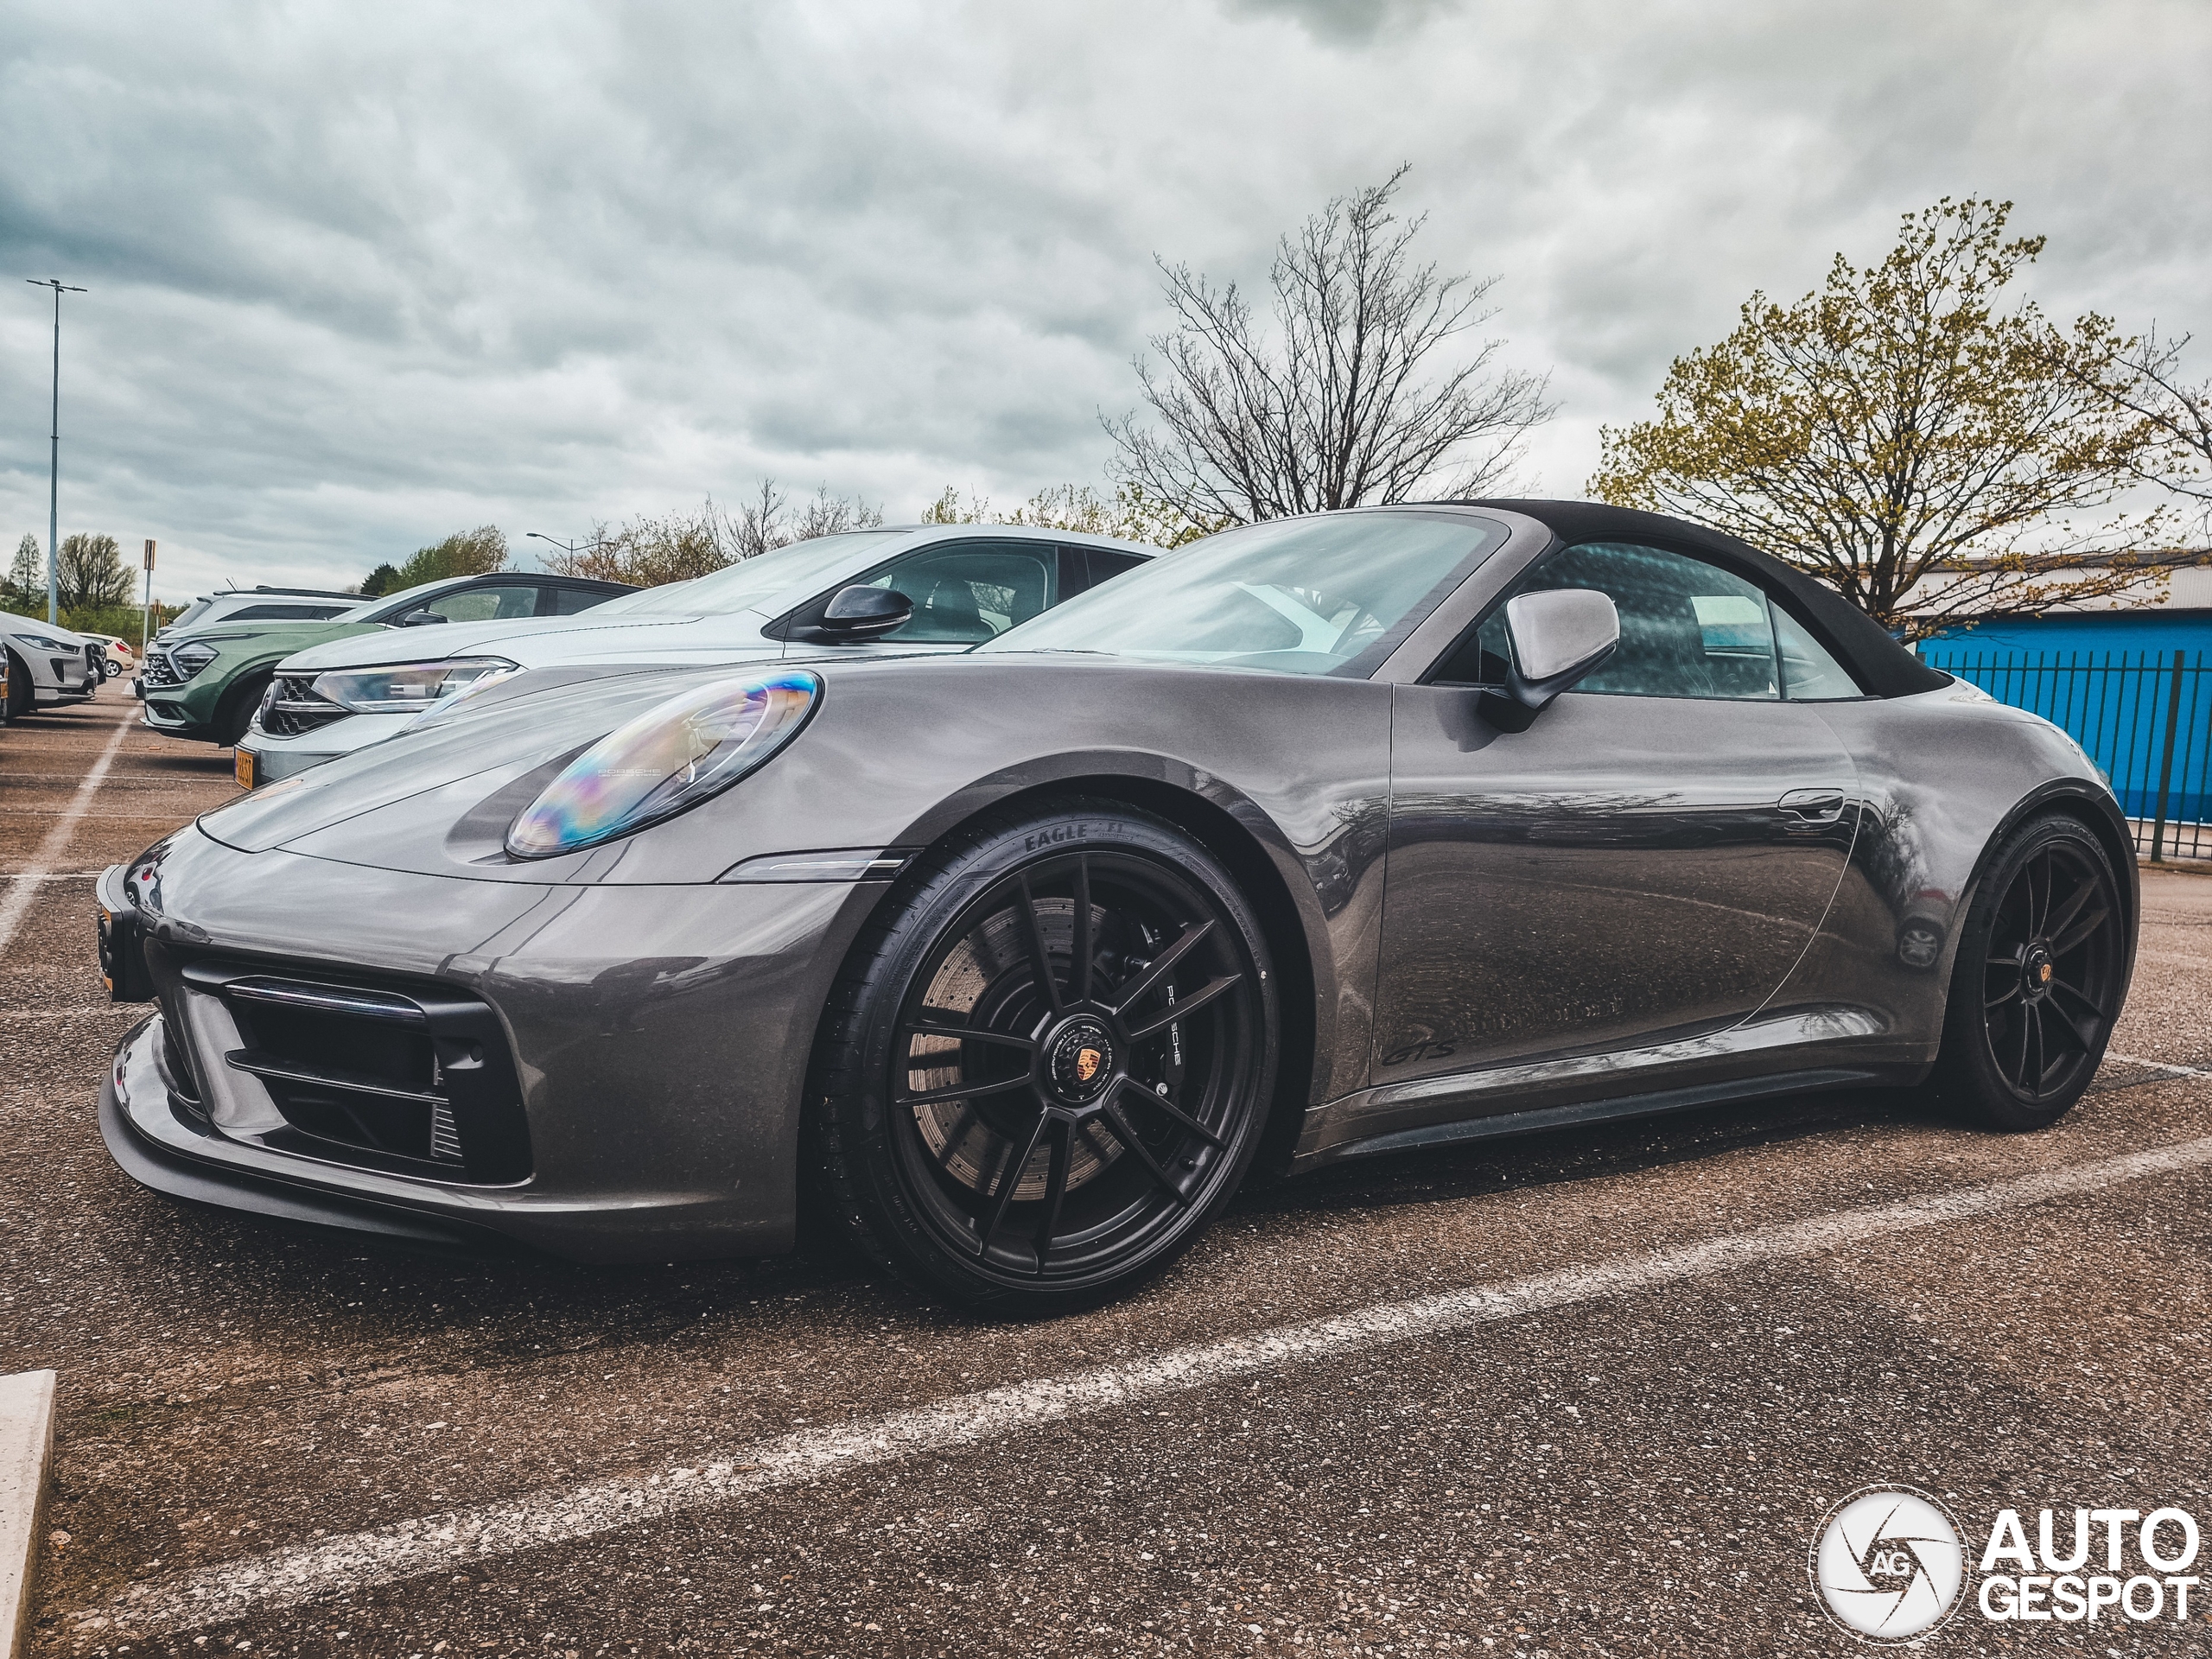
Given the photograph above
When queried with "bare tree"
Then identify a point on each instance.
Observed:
(1133, 514)
(2152, 389)
(1348, 398)
(650, 550)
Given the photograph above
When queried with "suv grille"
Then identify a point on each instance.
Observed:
(293, 706)
(414, 1081)
(158, 669)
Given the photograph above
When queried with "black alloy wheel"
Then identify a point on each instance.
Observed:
(1069, 1035)
(2041, 976)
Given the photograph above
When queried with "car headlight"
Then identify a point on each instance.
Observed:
(410, 688)
(188, 659)
(665, 761)
(39, 642)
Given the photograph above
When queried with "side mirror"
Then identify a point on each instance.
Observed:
(1558, 637)
(861, 613)
(420, 619)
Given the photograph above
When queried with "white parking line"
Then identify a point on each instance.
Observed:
(2157, 1065)
(17, 904)
(560, 1515)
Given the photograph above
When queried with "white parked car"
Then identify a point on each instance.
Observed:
(48, 666)
(937, 587)
(262, 605)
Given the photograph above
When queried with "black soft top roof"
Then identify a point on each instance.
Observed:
(1878, 662)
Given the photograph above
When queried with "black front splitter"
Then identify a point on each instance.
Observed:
(207, 1186)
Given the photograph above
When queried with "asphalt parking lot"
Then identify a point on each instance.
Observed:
(1464, 1403)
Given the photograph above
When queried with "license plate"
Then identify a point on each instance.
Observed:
(245, 768)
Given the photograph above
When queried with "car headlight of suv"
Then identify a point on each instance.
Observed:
(188, 659)
(410, 688)
(665, 761)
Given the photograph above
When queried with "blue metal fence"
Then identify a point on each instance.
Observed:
(2146, 717)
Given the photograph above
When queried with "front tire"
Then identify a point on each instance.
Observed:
(2040, 976)
(22, 694)
(1050, 1067)
(234, 715)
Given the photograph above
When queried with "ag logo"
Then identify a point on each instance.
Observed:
(1887, 1563)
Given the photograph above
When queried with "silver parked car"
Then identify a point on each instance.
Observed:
(48, 667)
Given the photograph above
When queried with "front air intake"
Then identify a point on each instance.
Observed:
(412, 1080)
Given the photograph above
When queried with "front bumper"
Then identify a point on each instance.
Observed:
(276, 757)
(166, 712)
(659, 1038)
(155, 1150)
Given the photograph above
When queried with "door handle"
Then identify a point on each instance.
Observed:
(1816, 805)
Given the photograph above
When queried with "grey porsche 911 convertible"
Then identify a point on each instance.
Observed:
(1362, 833)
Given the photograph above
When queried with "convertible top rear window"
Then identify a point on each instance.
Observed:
(1296, 596)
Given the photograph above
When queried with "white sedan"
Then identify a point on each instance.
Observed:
(941, 588)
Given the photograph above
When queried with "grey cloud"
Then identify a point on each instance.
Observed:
(361, 280)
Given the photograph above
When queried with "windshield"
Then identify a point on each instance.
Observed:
(189, 615)
(753, 581)
(1297, 596)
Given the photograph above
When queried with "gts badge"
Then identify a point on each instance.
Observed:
(1424, 1050)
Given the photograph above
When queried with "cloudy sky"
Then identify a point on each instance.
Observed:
(363, 276)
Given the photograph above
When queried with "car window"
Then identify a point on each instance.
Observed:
(1106, 564)
(1291, 596)
(284, 613)
(1688, 629)
(761, 580)
(970, 591)
(503, 603)
(567, 601)
(188, 616)
(1809, 674)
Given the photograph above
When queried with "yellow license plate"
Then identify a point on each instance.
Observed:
(245, 768)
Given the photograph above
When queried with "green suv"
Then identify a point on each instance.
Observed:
(207, 684)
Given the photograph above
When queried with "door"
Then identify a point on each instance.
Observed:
(1646, 861)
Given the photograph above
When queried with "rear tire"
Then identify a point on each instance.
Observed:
(2040, 976)
(1084, 1137)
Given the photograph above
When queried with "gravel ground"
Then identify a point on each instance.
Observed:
(1618, 1474)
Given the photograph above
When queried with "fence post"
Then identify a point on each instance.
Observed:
(2166, 765)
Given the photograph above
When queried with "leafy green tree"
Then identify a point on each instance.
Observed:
(466, 553)
(1937, 457)
(93, 574)
(27, 575)
(385, 579)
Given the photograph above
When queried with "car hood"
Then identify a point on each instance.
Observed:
(550, 642)
(275, 636)
(889, 734)
(510, 728)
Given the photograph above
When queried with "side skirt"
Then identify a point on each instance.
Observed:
(1499, 1125)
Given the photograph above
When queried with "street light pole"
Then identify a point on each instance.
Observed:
(569, 548)
(53, 476)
